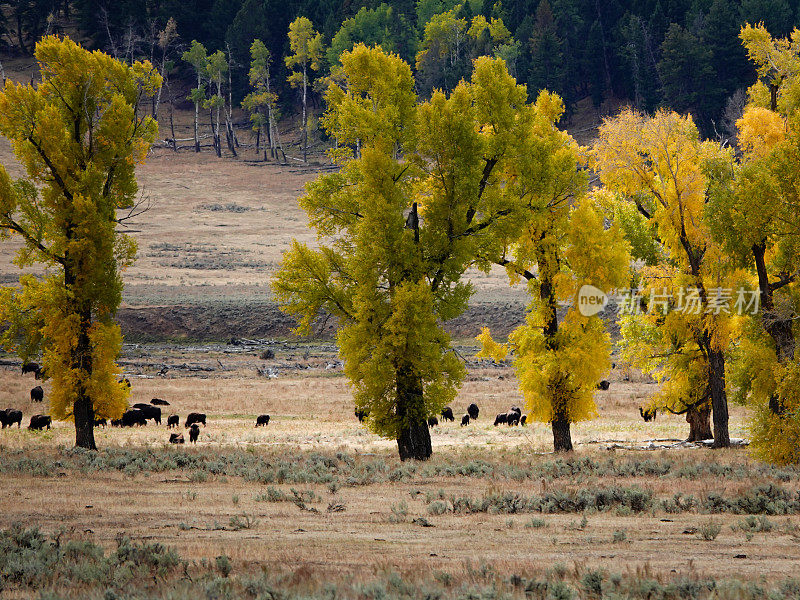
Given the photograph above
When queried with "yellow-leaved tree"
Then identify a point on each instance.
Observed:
(307, 53)
(658, 165)
(79, 136)
(755, 214)
(398, 225)
(558, 244)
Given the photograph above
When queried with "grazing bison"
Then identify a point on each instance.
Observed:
(10, 416)
(501, 419)
(648, 414)
(159, 402)
(472, 411)
(432, 421)
(100, 423)
(604, 385)
(39, 422)
(195, 418)
(133, 417)
(176, 438)
(116, 422)
(37, 394)
(262, 420)
(513, 417)
(149, 411)
(173, 421)
(32, 368)
(447, 414)
(361, 414)
(194, 433)
(465, 420)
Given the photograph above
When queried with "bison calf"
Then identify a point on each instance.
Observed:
(465, 420)
(194, 433)
(604, 385)
(262, 420)
(195, 418)
(39, 422)
(648, 414)
(173, 421)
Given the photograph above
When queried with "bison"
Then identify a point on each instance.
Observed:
(159, 402)
(133, 417)
(149, 411)
(32, 368)
(447, 414)
(194, 433)
(39, 422)
(513, 416)
(176, 438)
(100, 423)
(501, 419)
(10, 416)
(361, 414)
(648, 414)
(262, 420)
(116, 422)
(523, 419)
(124, 381)
(472, 411)
(37, 394)
(604, 385)
(173, 421)
(195, 418)
(465, 420)
(433, 421)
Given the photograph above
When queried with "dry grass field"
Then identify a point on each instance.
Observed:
(314, 497)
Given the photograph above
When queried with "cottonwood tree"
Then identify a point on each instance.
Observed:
(197, 56)
(307, 52)
(557, 245)
(260, 103)
(79, 136)
(755, 211)
(398, 226)
(216, 67)
(657, 165)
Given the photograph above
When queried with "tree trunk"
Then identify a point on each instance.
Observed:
(699, 420)
(81, 361)
(196, 119)
(305, 117)
(719, 399)
(414, 441)
(562, 438)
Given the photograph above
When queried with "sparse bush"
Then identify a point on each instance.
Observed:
(709, 530)
(535, 523)
(399, 512)
(437, 507)
(223, 565)
(592, 583)
(620, 535)
(243, 521)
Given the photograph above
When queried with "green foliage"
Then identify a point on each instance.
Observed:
(79, 138)
(382, 26)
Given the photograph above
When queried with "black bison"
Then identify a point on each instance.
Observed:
(173, 421)
(361, 414)
(34, 368)
(195, 418)
(100, 422)
(133, 417)
(648, 414)
(116, 422)
(513, 416)
(149, 411)
(604, 385)
(194, 433)
(433, 421)
(159, 402)
(472, 411)
(39, 422)
(262, 420)
(37, 394)
(465, 420)
(10, 416)
(447, 414)
(523, 419)
(501, 419)
(176, 438)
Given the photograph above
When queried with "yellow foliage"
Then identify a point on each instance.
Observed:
(760, 130)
